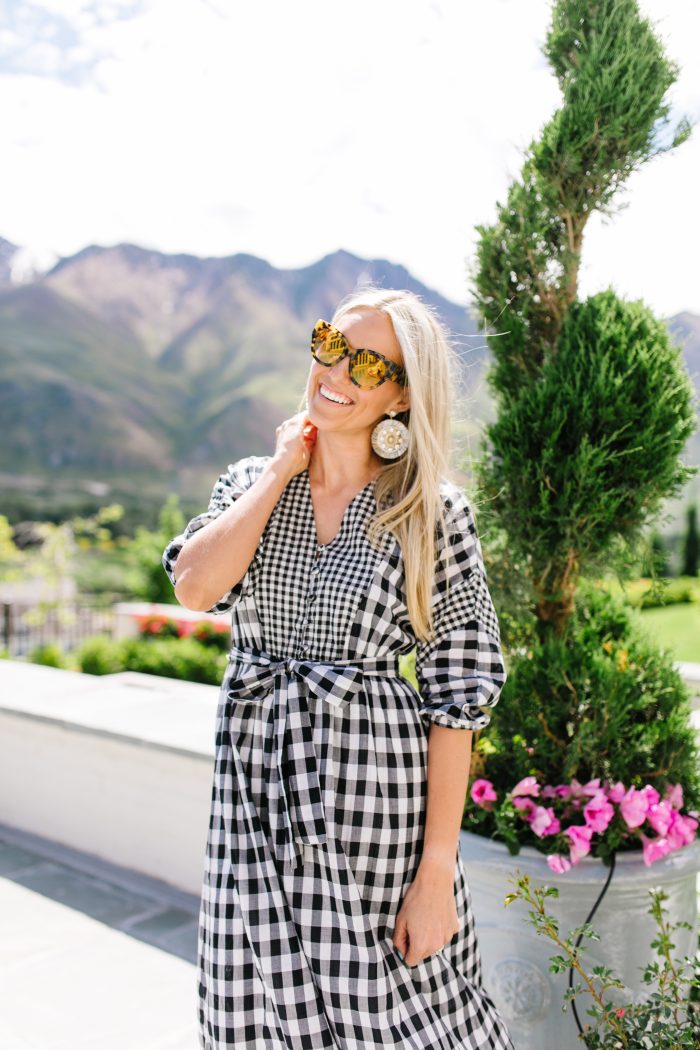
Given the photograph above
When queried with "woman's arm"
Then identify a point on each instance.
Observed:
(449, 759)
(427, 919)
(217, 555)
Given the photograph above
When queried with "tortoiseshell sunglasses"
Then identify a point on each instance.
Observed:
(368, 369)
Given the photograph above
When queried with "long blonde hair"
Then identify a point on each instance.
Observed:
(407, 490)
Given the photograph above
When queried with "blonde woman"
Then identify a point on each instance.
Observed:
(335, 909)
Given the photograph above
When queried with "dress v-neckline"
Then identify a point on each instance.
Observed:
(346, 512)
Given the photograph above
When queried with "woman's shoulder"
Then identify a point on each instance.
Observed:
(247, 468)
(457, 505)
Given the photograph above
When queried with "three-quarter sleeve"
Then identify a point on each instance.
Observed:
(460, 671)
(228, 487)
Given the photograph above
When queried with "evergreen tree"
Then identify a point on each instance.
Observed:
(594, 408)
(594, 403)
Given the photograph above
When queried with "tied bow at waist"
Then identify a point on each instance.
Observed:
(298, 813)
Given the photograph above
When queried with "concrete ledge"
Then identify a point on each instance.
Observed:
(118, 766)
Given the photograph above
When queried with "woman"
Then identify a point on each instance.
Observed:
(335, 908)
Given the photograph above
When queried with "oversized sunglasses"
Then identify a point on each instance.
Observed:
(368, 369)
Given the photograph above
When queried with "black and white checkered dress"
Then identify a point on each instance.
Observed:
(318, 799)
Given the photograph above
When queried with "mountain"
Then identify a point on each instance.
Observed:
(129, 372)
(120, 362)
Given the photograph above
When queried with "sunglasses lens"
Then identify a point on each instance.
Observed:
(327, 345)
(368, 370)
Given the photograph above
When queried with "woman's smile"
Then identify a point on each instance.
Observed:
(329, 394)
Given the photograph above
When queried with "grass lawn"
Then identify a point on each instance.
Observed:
(677, 628)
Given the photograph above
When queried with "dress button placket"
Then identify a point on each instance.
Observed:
(304, 647)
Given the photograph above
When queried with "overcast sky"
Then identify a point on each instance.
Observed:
(291, 129)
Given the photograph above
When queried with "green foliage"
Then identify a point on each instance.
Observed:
(100, 655)
(146, 578)
(584, 457)
(50, 655)
(666, 1018)
(184, 658)
(599, 701)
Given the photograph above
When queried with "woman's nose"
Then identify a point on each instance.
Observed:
(339, 372)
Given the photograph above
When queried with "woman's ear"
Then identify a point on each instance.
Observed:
(403, 404)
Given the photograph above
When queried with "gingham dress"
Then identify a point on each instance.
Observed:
(319, 787)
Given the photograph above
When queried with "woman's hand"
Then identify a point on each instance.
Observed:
(296, 438)
(427, 919)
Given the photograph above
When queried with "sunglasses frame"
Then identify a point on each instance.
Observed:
(394, 373)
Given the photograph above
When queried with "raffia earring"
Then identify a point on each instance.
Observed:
(390, 438)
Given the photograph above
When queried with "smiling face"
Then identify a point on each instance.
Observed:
(369, 330)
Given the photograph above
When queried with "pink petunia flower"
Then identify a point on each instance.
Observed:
(660, 815)
(526, 806)
(651, 794)
(544, 821)
(526, 786)
(674, 795)
(483, 793)
(558, 863)
(633, 807)
(580, 837)
(616, 792)
(654, 849)
(598, 812)
(681, 831)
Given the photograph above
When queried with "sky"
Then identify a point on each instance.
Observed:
(288, 130)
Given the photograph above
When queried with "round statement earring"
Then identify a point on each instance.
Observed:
(390, 438)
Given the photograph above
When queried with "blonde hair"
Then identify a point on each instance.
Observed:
(407, 490)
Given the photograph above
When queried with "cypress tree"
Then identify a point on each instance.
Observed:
(594, 407)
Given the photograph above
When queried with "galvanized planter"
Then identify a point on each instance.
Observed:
(516, 960)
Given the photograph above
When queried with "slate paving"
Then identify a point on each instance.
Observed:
(92, 955)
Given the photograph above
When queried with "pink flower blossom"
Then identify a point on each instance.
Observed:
(651, 794)
(633, 807)
(580, 837)
(654, 849)
(681, 831)
(558, 863)
(660, 815)
(526, 806)
(592, 788)
(598, 812)
(483, 793)
(616, 792)
(544, 821)
(526, 786)
(674, 795)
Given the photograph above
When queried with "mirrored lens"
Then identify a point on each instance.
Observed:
(328, 346)
(368, 370)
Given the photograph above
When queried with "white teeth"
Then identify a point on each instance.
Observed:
(334, 397)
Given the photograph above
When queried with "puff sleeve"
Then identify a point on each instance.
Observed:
(460, 671)
(228, 487)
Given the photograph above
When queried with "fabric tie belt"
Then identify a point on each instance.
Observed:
(298, 815)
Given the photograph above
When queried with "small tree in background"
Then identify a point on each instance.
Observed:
(691, 544)
(594, 407)
(146, 578)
